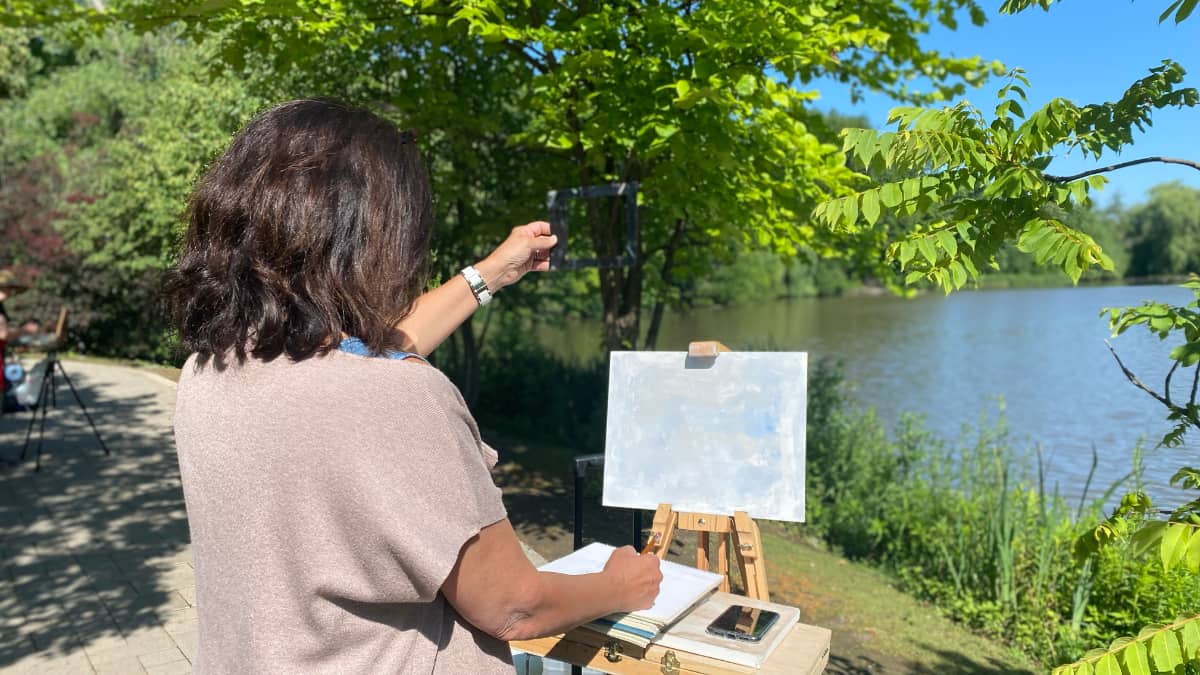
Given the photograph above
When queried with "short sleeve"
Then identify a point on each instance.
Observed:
(460, 499)
(421, 487)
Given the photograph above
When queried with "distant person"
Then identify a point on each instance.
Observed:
(8, 286)
(30, 336)
(342, 513)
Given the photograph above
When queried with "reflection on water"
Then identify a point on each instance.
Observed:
(949, 358)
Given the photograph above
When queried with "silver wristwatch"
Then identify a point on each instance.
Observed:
(478, 286)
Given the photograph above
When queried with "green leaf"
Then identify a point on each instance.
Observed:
(1170, 8)
(1185, 11)
(746, 85)
(1187, 354)
(850, 214)
(1147, 536)
(1189, 637)
(960, 275)
(1107, 665)
(927, 250)
(870, 206)
(1174, 544)
(948, 243)
(1079, 191)
(1164, 649)
(891, 195)
(1193, 554)
(1136, 660)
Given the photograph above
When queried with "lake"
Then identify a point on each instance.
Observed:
(953, 358)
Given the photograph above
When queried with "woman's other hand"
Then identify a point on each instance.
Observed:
(527, 249)
(635, 578)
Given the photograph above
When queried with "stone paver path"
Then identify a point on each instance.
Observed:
(95, 566)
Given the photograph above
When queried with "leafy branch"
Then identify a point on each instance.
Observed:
(1181, 8)
(1163, 321)
(1156, 649)
(981, 180)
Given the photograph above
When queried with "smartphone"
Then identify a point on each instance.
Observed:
(739, 622)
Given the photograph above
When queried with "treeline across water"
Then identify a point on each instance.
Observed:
(1157, 239)
(966, 523)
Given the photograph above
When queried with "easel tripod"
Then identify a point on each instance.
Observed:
(53, 366)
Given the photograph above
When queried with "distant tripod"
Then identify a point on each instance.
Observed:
(53, 366)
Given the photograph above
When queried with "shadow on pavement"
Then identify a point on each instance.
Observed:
(94, 560)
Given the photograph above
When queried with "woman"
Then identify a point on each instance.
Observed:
(342, 514)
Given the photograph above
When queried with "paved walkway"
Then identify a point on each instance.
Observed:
(95, 566)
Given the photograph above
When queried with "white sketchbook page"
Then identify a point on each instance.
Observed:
(681, 586)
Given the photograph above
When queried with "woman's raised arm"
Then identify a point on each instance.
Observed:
(441, 311)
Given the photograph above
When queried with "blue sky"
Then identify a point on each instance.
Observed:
(1086, 51)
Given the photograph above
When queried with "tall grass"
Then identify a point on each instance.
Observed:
(971, 527)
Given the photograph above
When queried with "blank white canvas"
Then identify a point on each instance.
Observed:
(709, 435)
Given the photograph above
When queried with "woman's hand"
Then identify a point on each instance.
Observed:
(635, 578)
(527, 249)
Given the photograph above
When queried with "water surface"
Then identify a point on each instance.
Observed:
(951, 358)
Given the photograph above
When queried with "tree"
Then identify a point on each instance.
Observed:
(699, 102)
(1166, 231)
(96, 163)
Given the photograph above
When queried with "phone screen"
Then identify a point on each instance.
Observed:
(739, 622)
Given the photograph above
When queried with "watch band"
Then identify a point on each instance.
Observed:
(478, 286)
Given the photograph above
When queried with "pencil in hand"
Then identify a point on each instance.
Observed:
(652, 542)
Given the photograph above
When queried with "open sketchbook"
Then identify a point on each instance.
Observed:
(691, 634)
(682, 587)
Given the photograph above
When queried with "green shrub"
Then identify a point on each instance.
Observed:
(970, 527)
(529, 393)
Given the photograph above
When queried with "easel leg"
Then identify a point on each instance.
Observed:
(82, 406)
(53, 383)
(750, 556)
(702, 562)
(37, 466)
(723, 561)
(38, 406)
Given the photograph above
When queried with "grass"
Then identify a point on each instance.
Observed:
(875, 626)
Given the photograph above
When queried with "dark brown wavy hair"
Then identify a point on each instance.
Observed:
(314, 222)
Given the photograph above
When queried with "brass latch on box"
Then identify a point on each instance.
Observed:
(670, 663)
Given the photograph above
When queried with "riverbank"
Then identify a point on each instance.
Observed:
(876, 627)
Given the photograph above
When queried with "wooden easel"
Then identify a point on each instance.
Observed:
(805, 651)
(738, 532)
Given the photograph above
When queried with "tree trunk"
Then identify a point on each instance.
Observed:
(470, 345)
(668, 264)
(620, 287)
(470, 353)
